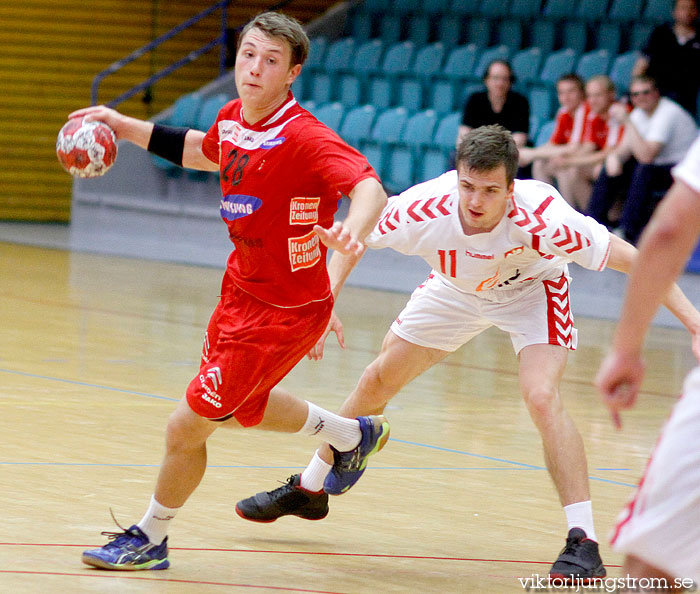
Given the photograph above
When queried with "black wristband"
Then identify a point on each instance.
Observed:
(168, 142)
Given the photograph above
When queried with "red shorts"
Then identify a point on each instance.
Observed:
(249, 346)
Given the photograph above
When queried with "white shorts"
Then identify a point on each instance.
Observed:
(661, 524)
(440, 317)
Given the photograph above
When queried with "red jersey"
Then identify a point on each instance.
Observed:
(569, 126)
(602, 132)
(280, 177)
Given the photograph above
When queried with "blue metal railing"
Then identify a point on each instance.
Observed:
(193, 55)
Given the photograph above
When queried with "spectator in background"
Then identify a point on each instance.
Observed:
(601, 134)
(568, 131)
(658, 134)
(672, 56)
(498, 104)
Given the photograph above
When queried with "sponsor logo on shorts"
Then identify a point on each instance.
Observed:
(304, 251)
(268, 144)
(303, 211)
(213, 378)
(236, 206)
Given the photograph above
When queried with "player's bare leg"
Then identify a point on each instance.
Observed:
(397, 364)
(541, 370)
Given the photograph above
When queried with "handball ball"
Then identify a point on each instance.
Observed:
(86, 149)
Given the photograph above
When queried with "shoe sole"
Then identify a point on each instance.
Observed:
(261, 521)
(101, 564)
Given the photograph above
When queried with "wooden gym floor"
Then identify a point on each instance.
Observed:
(95, 351)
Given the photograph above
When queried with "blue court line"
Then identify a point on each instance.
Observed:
(87, 385)
(414, 443)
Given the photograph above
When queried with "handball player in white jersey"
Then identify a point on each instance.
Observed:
(659, 530)
(499, 249)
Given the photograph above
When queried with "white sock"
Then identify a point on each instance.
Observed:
(314, 474)
(155, 522)
(342, 433)
(580, 515)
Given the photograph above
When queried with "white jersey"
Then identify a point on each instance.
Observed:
(688, 169)
(536, 239)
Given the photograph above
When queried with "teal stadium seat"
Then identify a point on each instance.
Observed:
(390, 29)
(592, 11)
(544, 133)
(558, 10)
(608, 36)
(543, 35)
(625, 11)
(525, 10)
(330, 114)
(389, 125)
(621, 70)
(410, 94)
(446, 132)
(376, 6)
(339, 55)
(449, 30)
(510, 32)
(375, 155)
(403, 7)
(357, 124)
(494, 9)
(320, 88)
(435, 7)
(350, 90)
(381, 91)
(460, 63)
(557, 64)
(575, 36)
(464, 7)
(442, 96)
(360, 26)
(658, 11)
(398, 170)
(593, 63)
(367, 58)
(317, 51)
(419, 128)
(429, 60)
(431, 164)
(210, 110)
(398, 58)
(639, 36)
(479, 32)
(418, 29)
(526, 66)
(540, 99)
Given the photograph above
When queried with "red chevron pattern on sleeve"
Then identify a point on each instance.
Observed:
(559, 320)
(571, 241)
(389, 221)
(432, 208)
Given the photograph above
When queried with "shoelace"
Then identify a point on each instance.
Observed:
(114, 535)
(289, 482)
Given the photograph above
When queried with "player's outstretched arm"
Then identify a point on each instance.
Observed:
(140, 133)
(367, 200)
(624, 257)
(668, 239)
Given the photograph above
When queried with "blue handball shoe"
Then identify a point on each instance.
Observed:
(349, 466)
(129, 551)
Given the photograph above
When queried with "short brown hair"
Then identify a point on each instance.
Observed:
(487, 147)
(276, 24)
